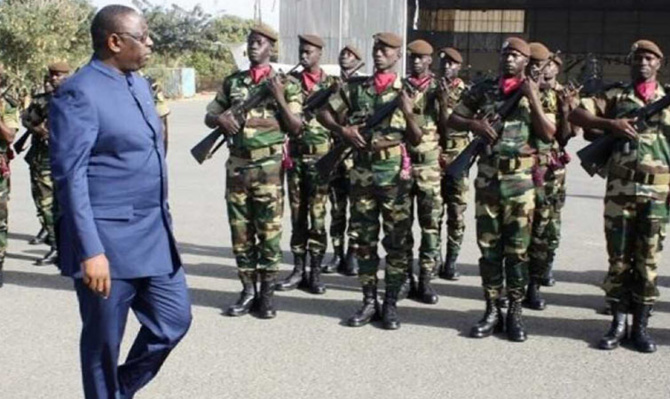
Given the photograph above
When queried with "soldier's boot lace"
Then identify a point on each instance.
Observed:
(350, 264)
(266, 307)
(449, 270)
(490, 323)
(533, 299)
(335, 262)
(426, 293)
(246, 300)
(516, 330)
(617, 331)
(370, 309)
(39, 238)
(641, 338)
(390, 320)
(297, 276)
(316, 286)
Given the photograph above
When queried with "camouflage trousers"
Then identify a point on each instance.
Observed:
(504, 212)
(426, 191)
(455, 195)
(634, 229)
(4, 214)
(372, 196)
(255, 195)
(43, 195)
(339, 192)
(549, 201)
(307, 197)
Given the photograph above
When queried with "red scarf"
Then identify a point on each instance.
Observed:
(509, 85)
(309, 80)
(646, 90)
(259, 72)
(421, 82)
(383, 80)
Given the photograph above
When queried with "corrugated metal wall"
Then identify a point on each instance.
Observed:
(338, 22)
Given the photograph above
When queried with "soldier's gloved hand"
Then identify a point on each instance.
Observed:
(351, 134)
(482, 128)
(228, 123)
(623, 128)
(276, 86)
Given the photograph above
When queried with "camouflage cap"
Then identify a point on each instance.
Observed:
(60, 66)
(538, 51)
(451, 53)
(389, 39)
(518, 44)
(646, 45)
(420, 47)
(314, 40)
(266, 31)
(353, 50)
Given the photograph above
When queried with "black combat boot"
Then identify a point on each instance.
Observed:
(533, 298)
(617, 331)
(516, 331)
(266, 308)
(449, 270)
(350, 264)
(370, 309)
(298, 276)
(247, 297)
(425, 292)
(490, 323)
(390, 319)
(316, 286)
(335, 263)
(548, 278)
(639, 334)
(408, 287)
(50, 258)
(39, 238)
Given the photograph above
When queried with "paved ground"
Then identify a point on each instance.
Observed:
(306, 352)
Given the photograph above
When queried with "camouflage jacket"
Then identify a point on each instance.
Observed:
(236, 89)
(34, 115)
(313, 133)
(455, 94)
(427, 113)
(159, 98)
(549, 99)
(10, 117)
(651, 153)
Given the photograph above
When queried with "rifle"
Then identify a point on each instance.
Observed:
(13, 102)
(594, 157)
(464, 161)
(318, 99)
(19, 145)
(327, 165)
(206, 147)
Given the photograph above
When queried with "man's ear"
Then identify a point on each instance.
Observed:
(114, 43)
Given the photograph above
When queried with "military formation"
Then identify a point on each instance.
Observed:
(392, 151)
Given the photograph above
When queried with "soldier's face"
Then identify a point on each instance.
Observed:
(534, 67)
(384, 56)
(309, 55)
(450, 68)
(259, 48)
(420, 64)
(645, 66)
(551, 71)
(57, 78)
(347, 60)
(131, 44)
(512, 63)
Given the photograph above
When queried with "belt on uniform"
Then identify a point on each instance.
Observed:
(637, 176)
(313, 149)
(383, 154)
(456, 142)
(257, 153)
(544, 159)
(428, 156)
(507, 165)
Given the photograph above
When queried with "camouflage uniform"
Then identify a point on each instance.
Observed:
(376, 187)
(636, 200)
(254, 189)
(339, 199)
(454, 191)
(549, 196)
(37, 158)
(307, 195)
(425, 186)
(504, 194)
(10, 117)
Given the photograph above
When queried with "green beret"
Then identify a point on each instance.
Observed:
(266, 31)
(314, 40)
(538, 51)
(452, 54)
(646, 45)
(420, 47)
(389, 39)
(518, 44)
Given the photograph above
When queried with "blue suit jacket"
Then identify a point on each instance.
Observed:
(108, 165)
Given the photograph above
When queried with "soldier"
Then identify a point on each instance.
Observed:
(34, 119)
(340, 189)
(454, 190)
(161, 107)
(307, 194)
(254, 189)
(504, 193)
(9, 124)
(379, 178)
(426, 173)
(636, 200)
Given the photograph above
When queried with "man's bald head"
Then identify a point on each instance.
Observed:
(107, 21)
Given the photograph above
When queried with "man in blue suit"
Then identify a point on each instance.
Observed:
(114, 228)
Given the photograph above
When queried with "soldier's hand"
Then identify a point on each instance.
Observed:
(406, 102)
(623, 128)
(276, 86)
(229, 123)
(95, 275)
(482, 128)
(529, 88)
(443, 91)
(351, 134)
